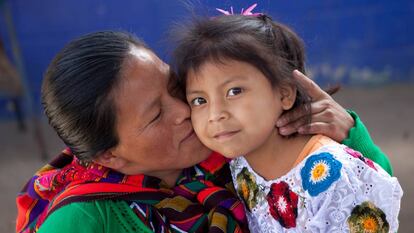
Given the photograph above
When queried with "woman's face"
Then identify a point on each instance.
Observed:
(154, 129)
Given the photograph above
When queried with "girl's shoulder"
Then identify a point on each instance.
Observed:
(338, 165)
(336, 176)
(339, 158)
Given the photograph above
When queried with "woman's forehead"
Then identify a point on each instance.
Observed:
(144, 58)
(144, 79)
(143, 54)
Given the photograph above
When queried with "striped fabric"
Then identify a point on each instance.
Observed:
(203, 199)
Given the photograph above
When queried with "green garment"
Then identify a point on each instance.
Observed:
(116, 216)
(360, 140)
(104, 216)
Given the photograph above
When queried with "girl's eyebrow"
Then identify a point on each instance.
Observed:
(227, 81)
(194, 92)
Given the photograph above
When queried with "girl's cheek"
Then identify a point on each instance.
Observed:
(194, 118)
(197, 120)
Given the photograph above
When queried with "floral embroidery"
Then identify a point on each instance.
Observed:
(367, 218)
(353, 153)
(370, 164)
(319, 172)
(358, 155)
(283, 204)
(247, 188)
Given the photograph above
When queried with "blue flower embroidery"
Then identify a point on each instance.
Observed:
(319, 172)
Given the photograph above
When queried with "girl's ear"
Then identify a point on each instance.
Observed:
(287, 95)
(109, 159)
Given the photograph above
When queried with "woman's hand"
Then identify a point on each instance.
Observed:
(328, 117)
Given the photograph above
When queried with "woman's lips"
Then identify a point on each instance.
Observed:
(188, 136)
(225, 135)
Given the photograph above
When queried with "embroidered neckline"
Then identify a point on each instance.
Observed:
(244, 163)
(309, 147)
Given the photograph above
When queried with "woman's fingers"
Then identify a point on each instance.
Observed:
(328, 117)
(313, 90)
(300, 112)
(302, 124)
(292, 127)
(337, 121)
(315, 128)
(317, 95)
(291, 116)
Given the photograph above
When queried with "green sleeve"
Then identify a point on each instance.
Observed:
(360, 140)
(94, 217)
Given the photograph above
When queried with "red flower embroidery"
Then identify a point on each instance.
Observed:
(283, 204)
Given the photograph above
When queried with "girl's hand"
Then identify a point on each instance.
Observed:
(328, 117)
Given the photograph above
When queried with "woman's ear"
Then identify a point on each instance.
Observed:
(287, 95)
(109, 159)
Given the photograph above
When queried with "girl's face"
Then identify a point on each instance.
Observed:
(233, 107)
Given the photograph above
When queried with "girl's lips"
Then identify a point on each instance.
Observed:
(225, 135)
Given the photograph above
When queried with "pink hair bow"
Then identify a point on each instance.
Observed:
(248, 11)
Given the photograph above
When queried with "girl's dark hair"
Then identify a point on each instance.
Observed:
(271, 47)
(76, 91)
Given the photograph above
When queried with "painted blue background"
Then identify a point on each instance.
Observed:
(354, 42)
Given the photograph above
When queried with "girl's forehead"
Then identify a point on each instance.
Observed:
(225, 65)
(222, 73)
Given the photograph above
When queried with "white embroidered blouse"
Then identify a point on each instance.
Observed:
(334, 189)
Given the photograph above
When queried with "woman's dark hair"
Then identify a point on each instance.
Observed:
(76, 91)
(271, 47)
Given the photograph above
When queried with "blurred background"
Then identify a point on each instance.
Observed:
(367, 46)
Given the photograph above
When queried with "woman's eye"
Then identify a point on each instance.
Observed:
(198, 101)
(234, 91)
(156, 117)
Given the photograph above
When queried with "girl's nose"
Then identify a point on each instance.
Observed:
(218, 112)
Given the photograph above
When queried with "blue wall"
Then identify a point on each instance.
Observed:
(353, 42)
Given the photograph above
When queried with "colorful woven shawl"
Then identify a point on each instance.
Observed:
(203, 199)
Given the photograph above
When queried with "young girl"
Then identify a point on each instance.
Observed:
(237, 73)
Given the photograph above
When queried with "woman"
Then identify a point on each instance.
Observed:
(107, 96)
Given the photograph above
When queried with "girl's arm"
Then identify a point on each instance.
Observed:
(332, 120)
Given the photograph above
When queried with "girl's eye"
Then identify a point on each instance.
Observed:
(198, 101)
(234, 91)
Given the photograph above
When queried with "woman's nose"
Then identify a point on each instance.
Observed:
(181, 111)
